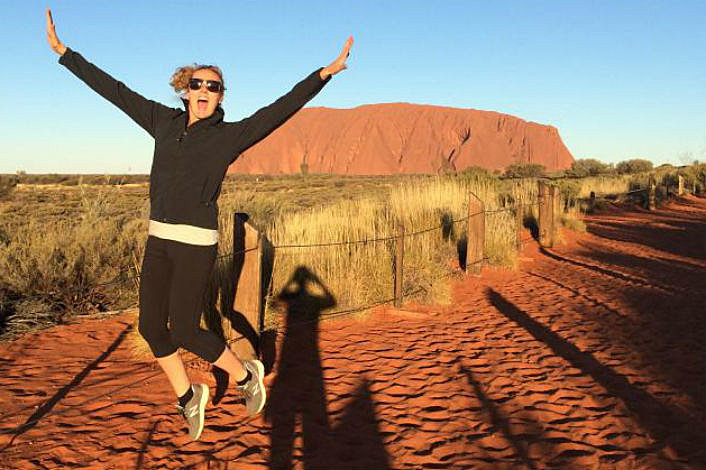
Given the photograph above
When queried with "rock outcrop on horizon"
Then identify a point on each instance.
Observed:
(390, 138)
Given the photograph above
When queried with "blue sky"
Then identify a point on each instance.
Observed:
(619, 79)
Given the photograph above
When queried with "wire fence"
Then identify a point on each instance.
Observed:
(128, 272)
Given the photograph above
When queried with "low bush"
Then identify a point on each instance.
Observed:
(588, 167)
(7, 184)
(635, 165)
(525, 170)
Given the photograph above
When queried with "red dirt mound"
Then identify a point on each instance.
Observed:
(391, 138)
(590, 356)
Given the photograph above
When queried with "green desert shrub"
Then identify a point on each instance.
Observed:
(635, 165)
(7, 184)
(525, 170)
(588, 167)
(572, 221)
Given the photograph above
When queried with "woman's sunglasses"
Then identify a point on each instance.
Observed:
(214, 86)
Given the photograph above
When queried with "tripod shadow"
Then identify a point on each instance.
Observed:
(298, 393)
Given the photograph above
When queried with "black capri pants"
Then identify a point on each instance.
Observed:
(172, 285)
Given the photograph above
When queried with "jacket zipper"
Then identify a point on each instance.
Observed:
(180, 141)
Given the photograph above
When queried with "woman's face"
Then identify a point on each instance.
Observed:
(202, 103)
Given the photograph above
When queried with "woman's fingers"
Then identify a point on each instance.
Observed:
(50, 22)
(51, 35)
(338, 64)
(51, 32)
(346, 48)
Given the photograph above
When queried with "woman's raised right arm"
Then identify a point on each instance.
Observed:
(146, 113)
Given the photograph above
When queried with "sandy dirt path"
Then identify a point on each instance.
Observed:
(590, 356)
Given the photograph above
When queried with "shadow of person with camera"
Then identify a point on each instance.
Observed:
(298, 389)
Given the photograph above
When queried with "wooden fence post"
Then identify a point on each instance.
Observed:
(546, 214)
(247, 297)
(399, 265)
(652, 189)
(555, 205)
(476, 235)
(519, 219)
(541, 218)
(680, 190)
(592, 203)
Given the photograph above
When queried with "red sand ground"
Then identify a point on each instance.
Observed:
(591, 356)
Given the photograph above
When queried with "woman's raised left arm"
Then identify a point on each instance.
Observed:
(253, 129)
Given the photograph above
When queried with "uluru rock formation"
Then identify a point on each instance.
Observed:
(389, 138)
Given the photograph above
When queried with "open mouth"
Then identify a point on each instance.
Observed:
(202, 104)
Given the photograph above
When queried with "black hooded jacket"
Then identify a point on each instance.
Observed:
(189, 164)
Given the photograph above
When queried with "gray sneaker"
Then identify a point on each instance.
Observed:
(254, 389)
(194, 410)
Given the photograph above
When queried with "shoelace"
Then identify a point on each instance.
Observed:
(247, 389)
(251, 387)
(188, 412)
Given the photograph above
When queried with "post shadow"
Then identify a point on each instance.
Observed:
(268, 338)
(681, 241)
(143, 447)
(647, 263)
(225, 282)
(667, 322)
(497, 419)
(607, 272)
(462, 251)
(529, 221)
(448, 232)
(658, 419)
(221, 282)
(63, 391)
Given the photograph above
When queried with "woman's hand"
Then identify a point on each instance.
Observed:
(53, 41)
(338, 64)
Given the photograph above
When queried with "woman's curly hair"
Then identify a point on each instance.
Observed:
(182, 75)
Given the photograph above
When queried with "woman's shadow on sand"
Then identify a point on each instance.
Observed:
(298, 393)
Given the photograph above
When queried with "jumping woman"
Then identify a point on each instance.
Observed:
(193, 148)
